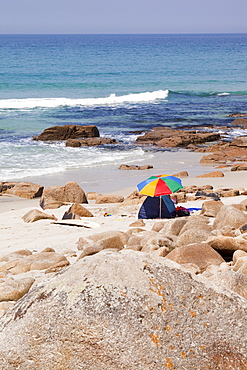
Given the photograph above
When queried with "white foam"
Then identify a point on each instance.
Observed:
(223, 94)
(56, 102)
(22, 160)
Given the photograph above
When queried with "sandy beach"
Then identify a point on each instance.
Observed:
(17, 235)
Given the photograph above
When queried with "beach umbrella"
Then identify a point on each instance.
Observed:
(156, 186)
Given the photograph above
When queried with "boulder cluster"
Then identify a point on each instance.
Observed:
(167, 293)
(222, 152)
(201, 139)
(74, 135)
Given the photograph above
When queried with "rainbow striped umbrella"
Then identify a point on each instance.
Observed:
(156, 186)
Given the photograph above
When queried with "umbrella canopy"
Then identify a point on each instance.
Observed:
(156, 186)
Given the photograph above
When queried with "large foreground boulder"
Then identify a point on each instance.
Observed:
(125, 310)
(57, 133)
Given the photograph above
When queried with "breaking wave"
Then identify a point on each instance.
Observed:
(87, 102)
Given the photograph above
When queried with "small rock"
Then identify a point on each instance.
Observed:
(181, 174)
(79, 210)
(210, 208)
(12, 290)
(57, 267)
(101, 199)
(36, 215)
(134, 167)
(237, 254)
(212, 174)
(138, 223)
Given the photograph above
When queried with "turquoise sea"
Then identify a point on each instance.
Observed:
(121, 83)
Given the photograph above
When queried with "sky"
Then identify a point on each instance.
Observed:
(122, 16)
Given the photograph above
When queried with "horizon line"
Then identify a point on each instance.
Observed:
(139, 33)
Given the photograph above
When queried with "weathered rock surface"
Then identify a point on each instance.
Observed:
(181, 174)
(138, 223)
(12, 290)
(237, 255)
(195, 235)
(167, 137)
(200, 254)
(235, 281)
(240, 140)
(152, 241)
(36, 215)
(91, 195)
(96, 141)
(228, 244)
(239, 167)
(228, 192)
(133, 198)
(5, 305)
(109, 234)
(79, 210)
(241, 264)
(110, 242)
(210, 208)
(36, 261)
(195, 222)
(15, 255)
(57, 133)
(134, 242)
(212, 174)
(229, 216)
(171, 227)
(242, 122)
(127, 311)
(101, 199)
(23, 189)
(56, 196)
(134, 167)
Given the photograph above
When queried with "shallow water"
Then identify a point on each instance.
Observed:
(121, 83)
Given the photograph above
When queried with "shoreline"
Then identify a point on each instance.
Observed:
(127, 184)
(110, 179)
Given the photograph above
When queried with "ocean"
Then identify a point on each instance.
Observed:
(121, 84)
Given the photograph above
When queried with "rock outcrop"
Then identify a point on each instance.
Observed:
(13, 290)
(128, 311)
(22, 189)
(58, 133)
(19, 264)
(200, 254)
(36, 215)
(96, 141)
(102, 199)
(79, 210)
(55, 196)
(167, 137)
(229, 216)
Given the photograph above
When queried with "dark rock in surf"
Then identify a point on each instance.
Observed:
(77, 143)
(167, 137)
(58, 133)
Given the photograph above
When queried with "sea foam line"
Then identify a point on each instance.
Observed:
(57, 102)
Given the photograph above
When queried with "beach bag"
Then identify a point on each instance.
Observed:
(182, 211)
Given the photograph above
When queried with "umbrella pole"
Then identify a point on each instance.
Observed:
(160, 206)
